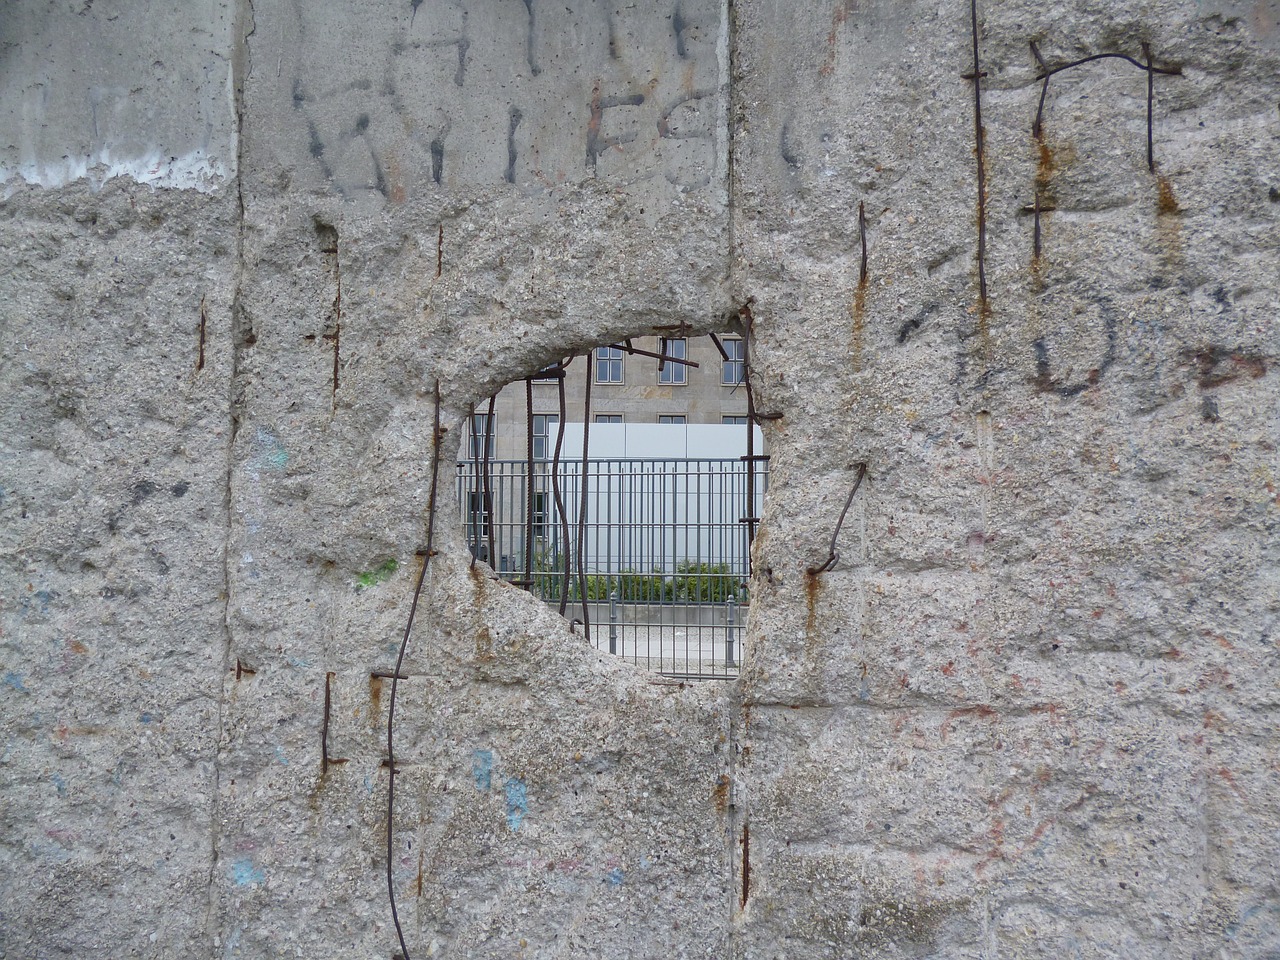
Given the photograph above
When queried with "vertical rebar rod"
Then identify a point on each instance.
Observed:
(1151, 95)
(528, 483)
(475, 500)
(582, 508)
(555, 487)
(980, 150)
(751, 440)
(488, 485)
(437, 435)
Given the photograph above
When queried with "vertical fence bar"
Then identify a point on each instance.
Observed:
(730, 612)
(666, 550)
(613, 621)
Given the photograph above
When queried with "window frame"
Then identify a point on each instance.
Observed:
(476, 429)
(736, 362)
(608, 362)
(546, 436)
(673, 419)
(606, 418)
(673, 374)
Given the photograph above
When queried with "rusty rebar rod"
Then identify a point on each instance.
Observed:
(528, 482)
(582, 505)
(980, 151)
(487, 462)
(555, 487)
(751, 432)
(475, 505)
(833, 556)
(862, 235)
(660, 357)
(436, 437)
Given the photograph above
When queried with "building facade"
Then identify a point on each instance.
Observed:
(626, 388)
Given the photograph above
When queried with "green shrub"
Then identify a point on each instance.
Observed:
(697, 582)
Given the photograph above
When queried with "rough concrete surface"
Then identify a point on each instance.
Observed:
(1030, 711)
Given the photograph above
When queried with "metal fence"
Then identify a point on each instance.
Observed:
(651, 555)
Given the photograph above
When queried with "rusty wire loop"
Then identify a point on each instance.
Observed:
(833, 556)
(1046, 72)
(436, 437)
(1037, 127)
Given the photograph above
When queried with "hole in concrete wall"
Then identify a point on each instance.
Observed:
(622, 487)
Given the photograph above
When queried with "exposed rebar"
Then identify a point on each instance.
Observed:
(833, 556)
(487, 466)
(529, 495)
(436, 437)
(582, 504)
(555, 487)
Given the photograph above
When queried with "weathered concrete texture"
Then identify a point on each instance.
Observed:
(115, 446)
(141, 90)
(1029, 713)
(402, 226)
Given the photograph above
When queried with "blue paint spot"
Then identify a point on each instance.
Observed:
(482, 769)
(280, 755)
(60, 785)
(38, 602)
(299, 663)
(145, 717)
(616, 876)
(268, 452)
(517, 803)
(368, 784)
(245, 874)
(15, 680)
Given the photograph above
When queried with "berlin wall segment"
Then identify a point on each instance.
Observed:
(1028, 712)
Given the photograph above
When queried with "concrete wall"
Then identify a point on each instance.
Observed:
(1030, 712)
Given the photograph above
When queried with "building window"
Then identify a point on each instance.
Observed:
(546, 426)
(609, 364)
(673, 420)
(608, 418)
(477, 525)
(734, 421)
(540, 515)
(732, 372)
(673, 372)
(476, 437)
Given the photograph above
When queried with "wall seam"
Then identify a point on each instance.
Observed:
(245, 25)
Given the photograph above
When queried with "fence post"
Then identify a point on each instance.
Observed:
(730, 617)
(613, 621)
